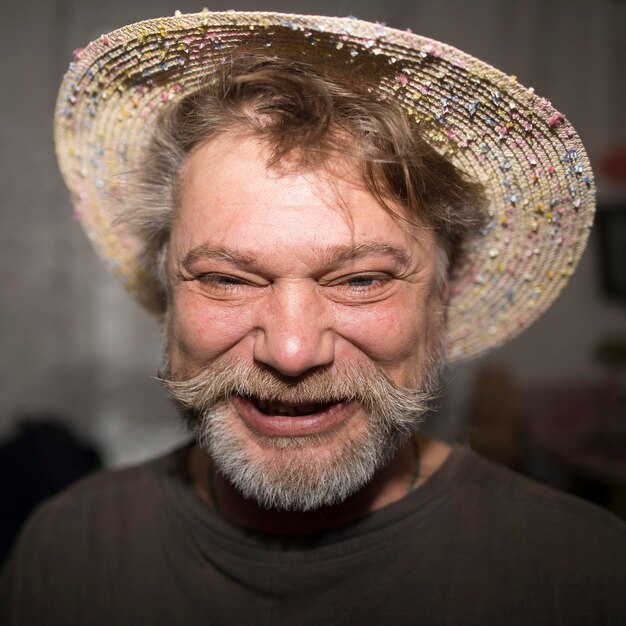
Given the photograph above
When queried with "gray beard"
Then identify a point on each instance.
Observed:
(302, 473)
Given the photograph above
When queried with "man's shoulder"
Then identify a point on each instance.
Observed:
(501, 502)
(135, 483)
(109, 522)
(515, 551)
(100, 504)
(503, 485)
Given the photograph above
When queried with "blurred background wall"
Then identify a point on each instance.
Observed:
(73, 345)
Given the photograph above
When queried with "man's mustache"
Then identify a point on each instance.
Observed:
(362, 382)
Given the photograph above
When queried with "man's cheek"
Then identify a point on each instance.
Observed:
(385, 335)
(203, 333)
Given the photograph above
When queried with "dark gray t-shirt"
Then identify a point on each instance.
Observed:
(475, 544)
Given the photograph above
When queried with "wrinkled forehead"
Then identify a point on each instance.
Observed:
(331, 173)
(231, 179)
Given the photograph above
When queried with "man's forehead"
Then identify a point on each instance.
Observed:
(334, 172)
(229, 196)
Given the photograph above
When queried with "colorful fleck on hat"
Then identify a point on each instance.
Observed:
(526, 154)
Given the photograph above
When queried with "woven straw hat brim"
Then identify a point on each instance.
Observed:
(526, 154)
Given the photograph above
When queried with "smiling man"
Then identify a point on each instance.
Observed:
(304, 313)
(312, 309)
(323, 212)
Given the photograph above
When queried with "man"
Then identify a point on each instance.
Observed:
(322, 211)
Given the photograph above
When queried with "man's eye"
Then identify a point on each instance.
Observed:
(361, 281)
(366, 281)
(220, 280)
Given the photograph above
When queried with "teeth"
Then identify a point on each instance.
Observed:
(275, 408)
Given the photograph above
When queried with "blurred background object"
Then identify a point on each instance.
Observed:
(43, 458)
(72, 343)
(570, 435)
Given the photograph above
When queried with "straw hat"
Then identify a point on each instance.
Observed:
(526, 154)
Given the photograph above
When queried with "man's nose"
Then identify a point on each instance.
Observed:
(294, 330)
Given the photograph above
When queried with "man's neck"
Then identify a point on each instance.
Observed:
(392, 483)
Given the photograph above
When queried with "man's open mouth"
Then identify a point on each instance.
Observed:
(282, 418)
(295, 409)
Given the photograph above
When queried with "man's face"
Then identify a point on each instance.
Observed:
(295, 283)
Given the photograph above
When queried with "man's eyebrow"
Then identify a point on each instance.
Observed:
(352, 252)
(216, 253)
(328, 255)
